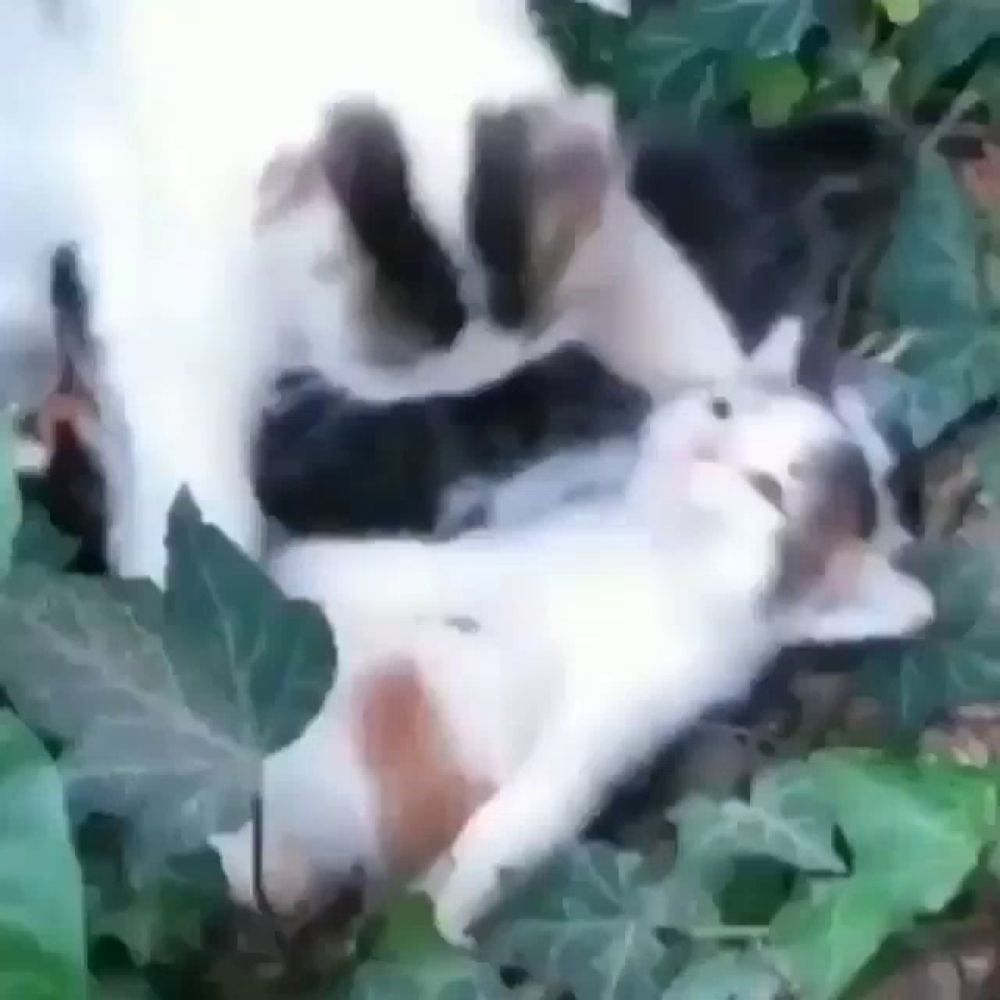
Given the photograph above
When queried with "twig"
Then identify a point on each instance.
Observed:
(259, 893)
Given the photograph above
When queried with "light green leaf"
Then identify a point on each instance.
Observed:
(170, 702)
(10, 496)
(877, 77)
(584, 925)
(41, 893)
(901, 11)
(946, 34)
(957, 660)
(410, 961)
(928, 285)
(776, 86)
(916, 830)
(729, 975)
(784, 820)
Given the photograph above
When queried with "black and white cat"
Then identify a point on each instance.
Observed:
(773, 221)
(494, 689)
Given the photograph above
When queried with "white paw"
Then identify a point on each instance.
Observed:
(463, 897)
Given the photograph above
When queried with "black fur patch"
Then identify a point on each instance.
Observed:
(498, 207)
(366, 167)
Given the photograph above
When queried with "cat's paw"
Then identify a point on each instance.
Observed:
(461, 900)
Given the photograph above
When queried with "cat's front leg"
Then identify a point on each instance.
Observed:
(549, 801)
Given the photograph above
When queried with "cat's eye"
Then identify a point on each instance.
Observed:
(721, 407)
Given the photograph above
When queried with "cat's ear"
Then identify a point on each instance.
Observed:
(777, 357)
(861, 596)
(573, 158)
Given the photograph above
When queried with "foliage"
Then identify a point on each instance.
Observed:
(800, 883)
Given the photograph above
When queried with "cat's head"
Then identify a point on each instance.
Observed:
(417, 232)
(779, 469)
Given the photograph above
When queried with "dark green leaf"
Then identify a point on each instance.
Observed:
(957, 660)
(410, 961)
(946, 34)
(668, 68)
(156, 914)
(585, 925)
(10, 495)
(39, 542)
(170, 704)
(41, 893)
(762, 28)
(928, 285)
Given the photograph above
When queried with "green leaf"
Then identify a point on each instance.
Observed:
(877, 77)
(784, 820)
(666, 68)
(170, 701)
(776, 86)
(957, 660)
(39, 541)
(685, 57)
(729, 975)
(901, 11)
(945, 36)
(584, 925)
(10, 495)
(41, 893)
(928, 285)
(410, 960)
(763, 28)
(157, 914)
(916, 830)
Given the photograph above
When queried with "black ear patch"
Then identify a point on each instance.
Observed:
(365, 165)
(843, 511)
(498, 208)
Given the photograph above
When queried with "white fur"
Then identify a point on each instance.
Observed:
(602, 632)
(141, 132)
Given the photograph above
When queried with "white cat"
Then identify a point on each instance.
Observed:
(493, 689)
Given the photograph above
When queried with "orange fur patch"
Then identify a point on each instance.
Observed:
(424, 798)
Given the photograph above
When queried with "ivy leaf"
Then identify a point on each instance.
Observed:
(729, 975)
(928, 285)
(156, 914)
(38, 541)
(10, 495)
(764, 28)
(916, 830)
(784, 820)
(41, 892)
(170, 701)
(776, 86)
(957, 660)
(901, 11)
(946, 34)
(685, 57)
(877, 77)
(584, 925)
(409, 959)
(665, 67)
